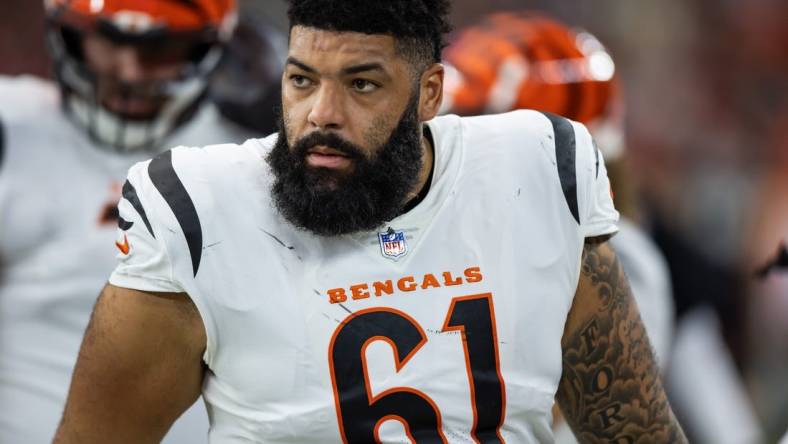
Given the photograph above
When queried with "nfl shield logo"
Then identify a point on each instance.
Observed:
(392, 243)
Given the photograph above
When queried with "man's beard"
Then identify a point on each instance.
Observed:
(329, 202)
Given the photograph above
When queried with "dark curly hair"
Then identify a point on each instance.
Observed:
(418, 26)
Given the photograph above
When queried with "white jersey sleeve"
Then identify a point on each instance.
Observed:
(143, 261)
(598, 215)
(583, 177)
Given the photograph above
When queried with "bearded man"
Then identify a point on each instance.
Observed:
(371, 273)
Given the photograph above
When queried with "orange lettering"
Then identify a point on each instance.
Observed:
(359, 291)
(383, 287)
(430, 281)
(401, 284)
(337, 295)
(473, 275)
(450, 280)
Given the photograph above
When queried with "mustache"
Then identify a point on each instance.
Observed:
(329, 140)
(149, 89)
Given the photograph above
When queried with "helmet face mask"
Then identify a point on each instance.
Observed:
(131, 81)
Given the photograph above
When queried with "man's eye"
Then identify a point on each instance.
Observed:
(362, 85)
(300, 81)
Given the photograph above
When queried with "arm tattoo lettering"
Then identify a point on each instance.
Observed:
(610, 390)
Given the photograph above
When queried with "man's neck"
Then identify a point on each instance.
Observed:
(419, 191)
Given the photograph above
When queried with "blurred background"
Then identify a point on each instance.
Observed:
(706, 96)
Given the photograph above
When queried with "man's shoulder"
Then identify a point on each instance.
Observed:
(538, 153)
(219, 161)
(518, 141)
(25, 84)
(514, 135)
(34, 129)
(193, 193)
(514, 123)
(536, 137)
(27, 97)
(30, 112)
(518, 117)
(205, 172)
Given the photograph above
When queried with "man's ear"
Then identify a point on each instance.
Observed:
(431, 85)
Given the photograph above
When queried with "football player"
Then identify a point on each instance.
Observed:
(371, 273)
(130, 78)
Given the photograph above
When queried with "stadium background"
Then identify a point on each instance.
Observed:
(707, 131)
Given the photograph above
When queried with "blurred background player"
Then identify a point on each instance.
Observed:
(512, 60)
(516, 60)
(247, 86)
(132, 76)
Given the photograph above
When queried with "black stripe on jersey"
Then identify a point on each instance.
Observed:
(130, 194)
(164, 178)
(124, 225)
(565, 158)
(596, 156)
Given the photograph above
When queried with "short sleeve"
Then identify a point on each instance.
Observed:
(143, 260)
(598, 215)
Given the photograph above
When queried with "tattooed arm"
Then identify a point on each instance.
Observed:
(610, 389)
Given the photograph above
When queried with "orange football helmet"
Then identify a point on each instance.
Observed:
(516, 60)
(146, 16)
(202, 25)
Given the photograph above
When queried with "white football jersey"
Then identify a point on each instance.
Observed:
(444, 325)
(58, 194)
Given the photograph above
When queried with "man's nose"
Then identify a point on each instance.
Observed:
(128, 65)
(327, 108)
